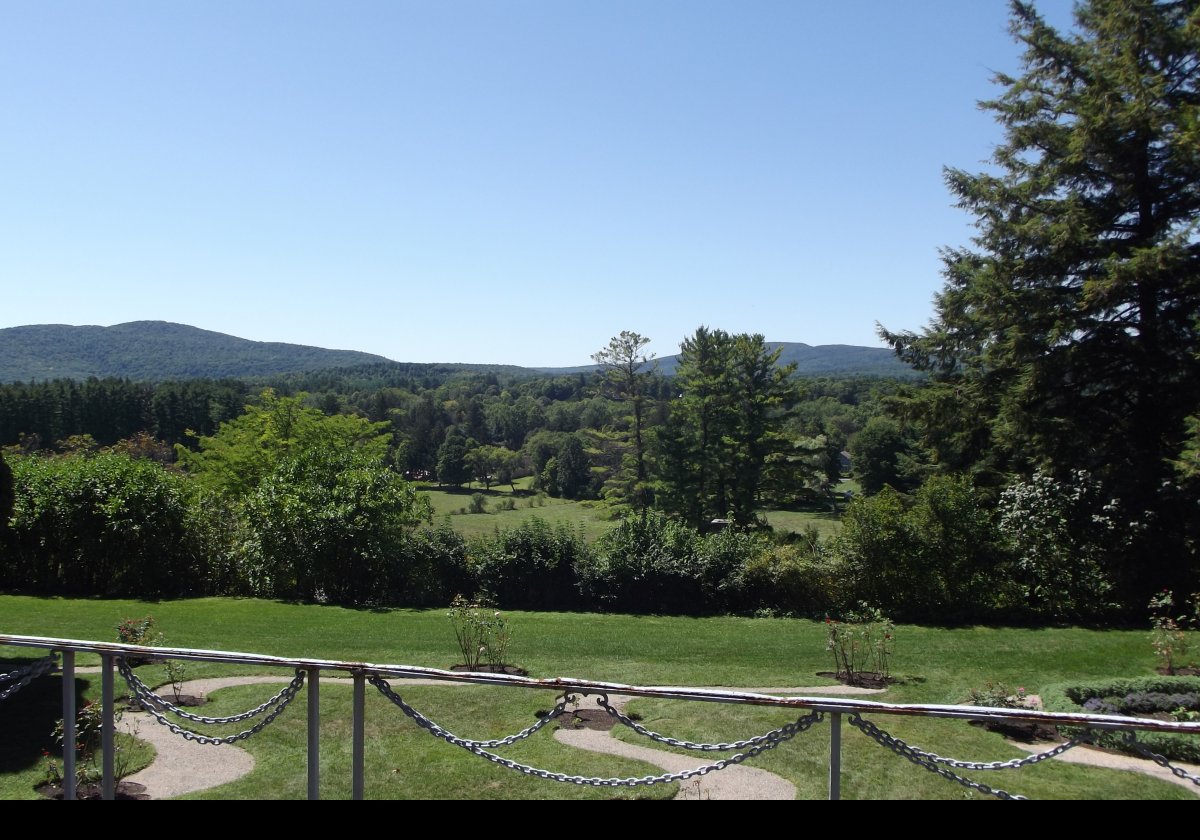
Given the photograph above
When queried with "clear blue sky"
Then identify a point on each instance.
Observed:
(501, 181)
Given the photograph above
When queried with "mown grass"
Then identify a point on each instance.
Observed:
(938, 665)
(592, 518)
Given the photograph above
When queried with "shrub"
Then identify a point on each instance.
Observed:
(862, 643)
(803, 578)
(644, 565)
(482, 632)
(1075, 697)
(102, 524)
(531, 566)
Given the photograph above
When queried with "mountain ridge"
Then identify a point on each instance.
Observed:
(162, 350)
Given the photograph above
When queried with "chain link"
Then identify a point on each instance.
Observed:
(923, 759)
(1161, 761)
(425, 723)
(145, 695)
(786, 733)
(602, 701)
(26, 674)
(285, 698)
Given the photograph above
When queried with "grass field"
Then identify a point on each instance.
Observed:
(593, 518)
(937, 665)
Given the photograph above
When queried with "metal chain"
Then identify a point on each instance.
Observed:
(1011, 764)
(145, 695)
(602, 701)
(1161, 761)
(425, 723)
(794, 729)
(288, 694)
(922, 759)
(26, 674)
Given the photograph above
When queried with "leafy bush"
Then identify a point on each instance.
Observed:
(103, 524)
(934, 557)
(996, 695)
(1112, 694)
(324, 526)
(802, 578)
(862, 643)
(1169, 633)
(1060, 533)
(531, 566)
(644, 565)
(482, 632)
(427, 569)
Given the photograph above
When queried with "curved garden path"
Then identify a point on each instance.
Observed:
(182, 766)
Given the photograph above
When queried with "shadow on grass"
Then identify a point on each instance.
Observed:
(28, 718)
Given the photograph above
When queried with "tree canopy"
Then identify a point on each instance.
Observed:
(1065, 338)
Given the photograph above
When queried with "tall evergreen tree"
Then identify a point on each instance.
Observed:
(623, 361)
(722, 427)
(1065, 338)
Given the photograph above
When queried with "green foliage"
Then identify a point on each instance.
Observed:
(8, 496)
(1065, 339)
(997, 695)
(934, 557)
(623, 361)
(722, 428)
(1074, 697)
(1060, 533)
(247, 449)
(569, 474)
(452, 466)
(862, 644)
(1169, 633)
(478, 503)
(482, 632)
(136, 631)
(652, 564)
(102, 525)
(325, 525)
(800, 578)
(881, 455)
(531, 566)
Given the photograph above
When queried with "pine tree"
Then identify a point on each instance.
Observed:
(723, 426)
(1065, 339)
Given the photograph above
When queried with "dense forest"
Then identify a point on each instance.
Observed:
(1046, 468)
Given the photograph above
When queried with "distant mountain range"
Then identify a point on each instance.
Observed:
(158, 350)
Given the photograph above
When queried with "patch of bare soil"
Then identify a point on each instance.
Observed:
(512, 670)
(862, 679)
(124, 790)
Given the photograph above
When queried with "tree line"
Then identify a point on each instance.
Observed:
(1047, 466)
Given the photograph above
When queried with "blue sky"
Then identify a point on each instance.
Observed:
(502, 181)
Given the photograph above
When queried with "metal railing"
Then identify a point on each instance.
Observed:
(815, 709)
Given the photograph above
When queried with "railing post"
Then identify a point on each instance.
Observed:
(108, 728)
(835, 756)
(314, 734)
(68, 710)
(358, 735)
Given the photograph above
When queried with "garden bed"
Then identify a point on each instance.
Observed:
(1151, 697)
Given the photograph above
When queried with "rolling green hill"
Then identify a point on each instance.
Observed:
(159, 350)
(154, 350)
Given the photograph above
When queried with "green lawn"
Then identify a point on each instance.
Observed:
(591, 517)
(938, 665)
